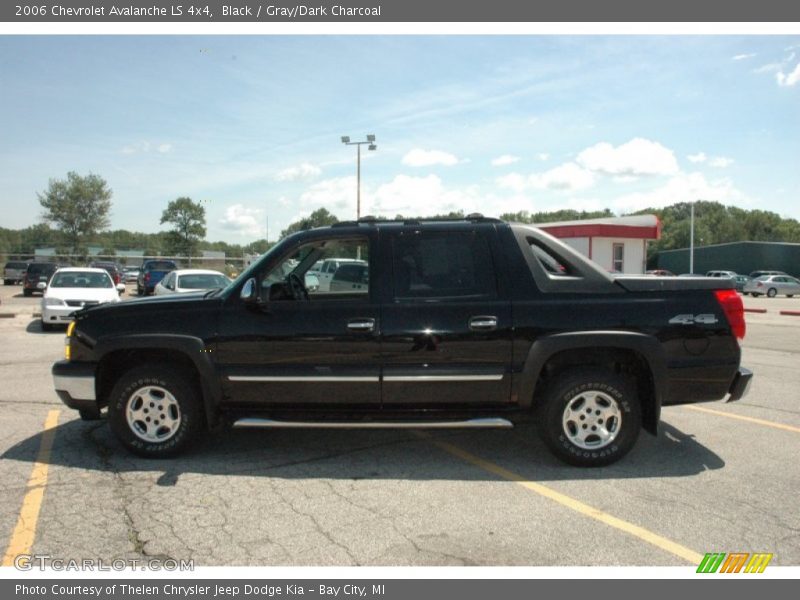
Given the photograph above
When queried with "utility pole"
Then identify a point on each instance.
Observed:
(691, 241)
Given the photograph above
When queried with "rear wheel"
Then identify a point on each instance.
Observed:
(590, 417)
(27, 292)
(772, 292)
(155, 411)
(756, 294)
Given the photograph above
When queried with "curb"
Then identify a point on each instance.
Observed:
(755, 310)
(791, 313)
(7, 315)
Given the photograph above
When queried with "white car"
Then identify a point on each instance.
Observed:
(326, 270)
(190, 280)
(71, 289)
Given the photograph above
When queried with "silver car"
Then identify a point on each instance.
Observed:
(772, 285)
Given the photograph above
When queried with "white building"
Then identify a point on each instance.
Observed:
(617, 244)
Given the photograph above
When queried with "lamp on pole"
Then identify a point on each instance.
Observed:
(691, 240)
(371, 141)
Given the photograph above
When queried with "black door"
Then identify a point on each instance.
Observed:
(315, 352)
(446, 330)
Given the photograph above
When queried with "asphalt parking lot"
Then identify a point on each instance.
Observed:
(719, 478)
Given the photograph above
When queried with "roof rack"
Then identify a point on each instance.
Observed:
(372, 220)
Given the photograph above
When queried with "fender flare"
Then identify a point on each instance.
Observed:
(193, 348)
(645, 345)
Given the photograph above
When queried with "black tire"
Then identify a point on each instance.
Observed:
(26, 292)
(131, 389)
(772, 292)
(756, 294)
(616, 397)
(47, 327)
(7, 282)
(138, 291)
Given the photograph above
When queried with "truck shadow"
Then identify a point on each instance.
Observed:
(366, 454)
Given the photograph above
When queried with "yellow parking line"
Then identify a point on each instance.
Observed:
(25, 531)
(748, 419)
(643, 534)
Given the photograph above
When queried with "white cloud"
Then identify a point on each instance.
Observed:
(244, 221)
(136, 148)
(566, 177)
(418, 157)
(683, 187)
(700, 157)
(636, 158)
(743, 56)
(720, 162)
(414, 196)
(543, 156)
(768, 68)
(303, 171)
(790, 79)
(144, 146)
(505, 159)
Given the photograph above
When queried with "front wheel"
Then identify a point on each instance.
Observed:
(155, 411)
(756, 294)
(590, 417)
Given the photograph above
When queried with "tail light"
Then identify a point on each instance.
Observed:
(147, 277)
(759, 284)
(732, 306)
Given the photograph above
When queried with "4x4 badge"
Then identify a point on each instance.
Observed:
(704, 319)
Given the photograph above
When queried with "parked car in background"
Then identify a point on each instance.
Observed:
(351, 277)
(130, 274)
(152, 272)
(36, 273)
(328, 268)
(727, 274)
(741, 281)
(71, 289)
(773, 285)
(660, 273)
(190, 280)
(757, 274)
(112, 269)
(14, 272)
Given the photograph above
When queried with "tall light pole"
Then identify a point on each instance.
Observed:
(371, 141)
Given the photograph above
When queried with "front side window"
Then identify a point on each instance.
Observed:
(442, 265)
(350, 256)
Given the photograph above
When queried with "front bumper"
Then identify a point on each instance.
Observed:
(741, 384)
(74, 383)
(58, 314)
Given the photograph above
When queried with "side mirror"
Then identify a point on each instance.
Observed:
(121, 288)
(249, 293)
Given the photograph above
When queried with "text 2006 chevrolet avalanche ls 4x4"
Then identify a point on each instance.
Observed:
(472, 322)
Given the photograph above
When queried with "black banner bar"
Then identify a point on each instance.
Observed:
(375, 11)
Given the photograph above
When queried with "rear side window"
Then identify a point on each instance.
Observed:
(442, 265)
(160, 266)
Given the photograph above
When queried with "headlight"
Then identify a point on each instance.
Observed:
(53, 302)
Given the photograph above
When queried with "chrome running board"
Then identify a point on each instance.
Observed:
(468, 424)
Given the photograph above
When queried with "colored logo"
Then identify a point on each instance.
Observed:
(735, 562)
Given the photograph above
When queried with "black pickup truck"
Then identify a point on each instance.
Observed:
(465, 323)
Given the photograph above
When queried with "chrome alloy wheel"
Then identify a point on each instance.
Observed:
(592, 420)
(153, 414)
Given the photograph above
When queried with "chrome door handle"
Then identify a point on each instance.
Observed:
(361, 325)
(483, 323)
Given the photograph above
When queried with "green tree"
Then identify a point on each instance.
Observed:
(189, 224)
(78, 206)
(319, 218)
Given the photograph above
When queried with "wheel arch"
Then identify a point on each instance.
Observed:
(189, 353)
(639, 353)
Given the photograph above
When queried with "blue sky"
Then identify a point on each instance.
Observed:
(251, 125)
